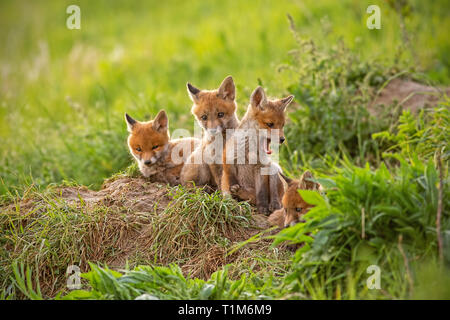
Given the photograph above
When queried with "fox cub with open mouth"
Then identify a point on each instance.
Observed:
(158, 157)
(246, 179)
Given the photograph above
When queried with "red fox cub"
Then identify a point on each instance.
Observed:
(256, 177)
(158, 157)
(294, 207)
(215, 112)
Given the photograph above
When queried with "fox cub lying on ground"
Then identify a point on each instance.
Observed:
(294, 207)
(256, 178)
(158, 157)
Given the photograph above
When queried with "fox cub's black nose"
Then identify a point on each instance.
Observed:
(147, 162)
(282, 139)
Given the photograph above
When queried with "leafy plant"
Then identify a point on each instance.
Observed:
(367, 216)
(334, 89)
(420, 135)
(148, 283)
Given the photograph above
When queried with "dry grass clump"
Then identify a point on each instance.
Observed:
(197, 229)
(130, 221)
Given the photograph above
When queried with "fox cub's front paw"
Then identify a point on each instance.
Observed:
(235, 188)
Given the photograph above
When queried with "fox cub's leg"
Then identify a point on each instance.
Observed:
(230, 185)
(276, 189)
(245, 195)
(229, 181)
(197, 173)
(262, 192)
(216, 174)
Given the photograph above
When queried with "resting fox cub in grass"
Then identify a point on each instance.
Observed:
(294, 207)
(158, 157)
(246, 179)
(215, 112)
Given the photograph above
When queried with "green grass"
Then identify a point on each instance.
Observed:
(62, 98)
(64, 92)
(361, 222)
(146, 283)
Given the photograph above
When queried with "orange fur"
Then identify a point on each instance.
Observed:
(150, 144)
(215, 112)
(245, 181)
(294, 206)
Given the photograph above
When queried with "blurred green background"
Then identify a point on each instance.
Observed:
(63, 92)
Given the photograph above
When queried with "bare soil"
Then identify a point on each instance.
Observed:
(408, 94)
(136, 194)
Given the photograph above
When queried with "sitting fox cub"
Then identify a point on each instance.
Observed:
(150, 145)
(294, 207)
(215, 112)
(256, 177)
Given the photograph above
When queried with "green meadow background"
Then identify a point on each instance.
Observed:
(63, 95)
(63, 92)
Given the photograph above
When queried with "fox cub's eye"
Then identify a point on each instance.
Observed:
(138, 149)
(298, 209)
(204, 117)
(270, 124)
(154, 147)
(220, 114)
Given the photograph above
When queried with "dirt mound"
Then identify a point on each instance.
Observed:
(408, 94)
(139, 197)
(130, 220)
(135, 194)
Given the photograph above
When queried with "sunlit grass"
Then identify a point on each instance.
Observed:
(63, 92)
(62, 98)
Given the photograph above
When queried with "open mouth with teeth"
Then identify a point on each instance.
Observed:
(267, 146)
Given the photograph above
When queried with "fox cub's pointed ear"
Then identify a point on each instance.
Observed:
(307, 183)
(161, 121)
(193, 92)
(258, 98)
(286, 101)
(227, 89)
(130, 122)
